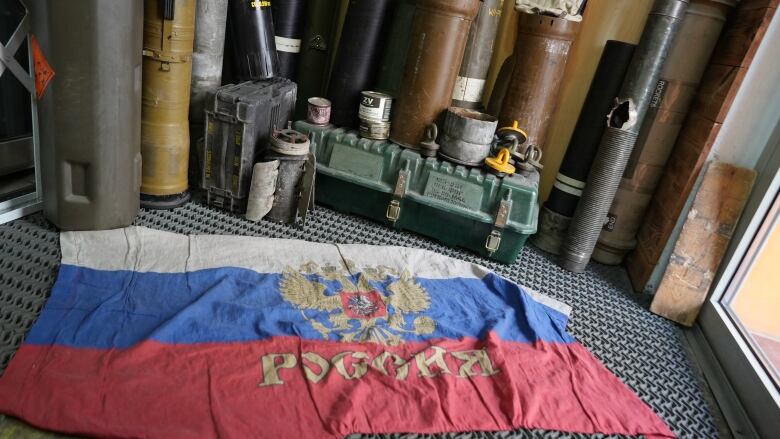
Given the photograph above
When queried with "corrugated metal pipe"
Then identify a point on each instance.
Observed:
(623, 126)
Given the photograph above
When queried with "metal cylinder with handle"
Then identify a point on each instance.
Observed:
(169, 31)
(439, 33)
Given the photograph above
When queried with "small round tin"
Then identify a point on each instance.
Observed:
(319, 111)
(374, 130)
(375, 106)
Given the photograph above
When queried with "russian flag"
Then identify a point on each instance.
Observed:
(160, 335)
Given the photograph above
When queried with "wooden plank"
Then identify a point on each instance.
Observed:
(703, 242)
(717, 92)
(682, 170)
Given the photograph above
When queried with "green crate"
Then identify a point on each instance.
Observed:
(454, 204)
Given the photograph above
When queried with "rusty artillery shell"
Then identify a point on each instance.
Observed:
(541, 52)
(439, 32)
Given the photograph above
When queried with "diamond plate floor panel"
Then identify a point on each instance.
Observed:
(642, 349)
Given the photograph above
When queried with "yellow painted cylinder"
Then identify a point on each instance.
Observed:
(506, 35)
(167, 72)
(603, 20)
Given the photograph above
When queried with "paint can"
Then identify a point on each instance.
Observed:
(319, 111)
(374, 130)
(375, 106)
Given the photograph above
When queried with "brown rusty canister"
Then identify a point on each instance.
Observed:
(541, 52)
(167, 71)
(439, 33)
(672, 98)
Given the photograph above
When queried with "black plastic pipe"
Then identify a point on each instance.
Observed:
(317, 45)
(289, 16)
(623, 126)
(252, 40)
(357, 58)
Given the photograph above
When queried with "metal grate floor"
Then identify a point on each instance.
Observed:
(642, 349)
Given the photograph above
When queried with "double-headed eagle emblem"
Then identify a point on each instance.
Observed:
(375, 309)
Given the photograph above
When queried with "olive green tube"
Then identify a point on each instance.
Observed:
(317, 46)
(167, 71)
(89, 116)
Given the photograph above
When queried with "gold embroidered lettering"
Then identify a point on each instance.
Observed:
(424, 364)
(472, 358)
(271, 368)
(402, 366)
(360, 367)
(322, 363)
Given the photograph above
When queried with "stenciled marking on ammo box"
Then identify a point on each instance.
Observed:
(454, 190)
(355, 161)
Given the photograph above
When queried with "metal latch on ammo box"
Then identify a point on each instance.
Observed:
(394, 208)
(493, 241)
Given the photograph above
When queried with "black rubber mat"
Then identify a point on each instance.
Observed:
(642, 349)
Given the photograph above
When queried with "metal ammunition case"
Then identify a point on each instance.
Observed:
(439, 33)
(541, 52)
(673, 96)
(476, 59)
(167, 69)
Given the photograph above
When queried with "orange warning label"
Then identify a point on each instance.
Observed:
(43, 71)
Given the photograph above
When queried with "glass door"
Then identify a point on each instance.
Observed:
(753, 300)
(741, 320)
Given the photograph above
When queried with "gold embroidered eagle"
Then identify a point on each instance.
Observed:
(362, 312)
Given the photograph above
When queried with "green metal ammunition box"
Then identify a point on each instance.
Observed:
(459, 206)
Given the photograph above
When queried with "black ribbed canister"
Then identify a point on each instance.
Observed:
(590, 126)
(252, 39)
(357, 58)
(289, 17)
(624, 124)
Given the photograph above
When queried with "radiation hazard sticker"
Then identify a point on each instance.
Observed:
(43, 71)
